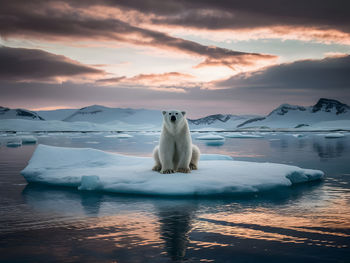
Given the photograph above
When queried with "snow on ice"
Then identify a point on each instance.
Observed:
(90, 169)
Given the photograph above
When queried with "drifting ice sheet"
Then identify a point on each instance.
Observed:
(90, 169)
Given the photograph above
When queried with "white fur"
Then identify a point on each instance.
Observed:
(175, 152)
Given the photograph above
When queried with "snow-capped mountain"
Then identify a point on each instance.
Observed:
(222, 121)
(294, 116)
(7, 113)
(326, 114)
(103, 115)
(59, 115)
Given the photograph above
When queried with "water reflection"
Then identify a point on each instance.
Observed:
(329, 148)
(62, 200)
(175, 223)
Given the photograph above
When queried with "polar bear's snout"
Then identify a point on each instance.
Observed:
(173, 118)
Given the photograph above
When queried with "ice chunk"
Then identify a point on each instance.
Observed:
(29, 139)
(89, 169)
(334, 135)
(14, 143)
(298, 135)
(210, 137)
(242, 135)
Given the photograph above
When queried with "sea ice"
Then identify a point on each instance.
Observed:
(211, 157)
(14, 143)
(298, 135)
(29, 139)
(210, 137)
(120, 136)
(334, 135)
(90, 169)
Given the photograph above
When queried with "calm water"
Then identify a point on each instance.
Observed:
(305, 223)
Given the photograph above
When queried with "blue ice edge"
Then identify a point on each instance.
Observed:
(95, 170)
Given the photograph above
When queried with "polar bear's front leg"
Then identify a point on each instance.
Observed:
(166, 156)
(185, 153)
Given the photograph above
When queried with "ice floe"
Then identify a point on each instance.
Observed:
(14, 143)
(90, 169)
(29, 139)
(334, 135)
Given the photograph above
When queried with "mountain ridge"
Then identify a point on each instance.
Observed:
(284, 116)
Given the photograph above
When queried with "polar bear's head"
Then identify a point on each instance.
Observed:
(174, 118)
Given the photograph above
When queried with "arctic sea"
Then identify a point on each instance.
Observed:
(303, 223)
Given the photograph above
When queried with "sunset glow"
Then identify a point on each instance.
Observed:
(170, 51)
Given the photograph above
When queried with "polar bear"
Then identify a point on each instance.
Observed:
(175, 152)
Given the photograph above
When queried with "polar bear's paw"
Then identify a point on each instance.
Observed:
(167, 171)
(157, 168)
(193, 166)
(184, 170)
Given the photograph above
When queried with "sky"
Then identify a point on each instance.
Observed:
(205, 57)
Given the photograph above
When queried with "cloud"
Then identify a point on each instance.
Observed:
(331, 73)
(326, 21)
(21, 65)
(167, 78)
(320, 20)
(302, 82)
(66, 21)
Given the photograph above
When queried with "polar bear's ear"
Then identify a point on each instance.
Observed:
(183, 113)
(164, 112)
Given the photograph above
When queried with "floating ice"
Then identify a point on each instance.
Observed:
(298, 135)
(124, 136)
(90, 169)
(242, 135)
(14, 143)
(28, 139)
(334, 135)
(210, 137)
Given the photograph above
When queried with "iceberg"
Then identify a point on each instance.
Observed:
(298, 135)
(29, 139)
(210, 137)
(14, 143)
(90, 169)
(334, 135)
